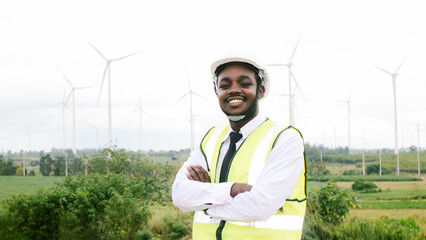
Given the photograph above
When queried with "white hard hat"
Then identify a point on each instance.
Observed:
(242, 56)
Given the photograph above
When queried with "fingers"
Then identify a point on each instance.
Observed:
(197, 173)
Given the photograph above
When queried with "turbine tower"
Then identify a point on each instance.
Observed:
(108, 69)
(96, 133)
(347, 101)
(291, 77)
(393, 75)
(140, 120)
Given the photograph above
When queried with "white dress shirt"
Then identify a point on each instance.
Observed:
(275, 183)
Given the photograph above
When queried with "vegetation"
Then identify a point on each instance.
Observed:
(119, 194)
(329, 205)
(96, 206)
(361, 185)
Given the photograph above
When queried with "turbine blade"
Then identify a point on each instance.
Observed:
(147, 114)
(276, 64)
(297, 85)
(69, 95)
(384, 70)
(350, 94)
(69, 82)
(55, 105)
(180, 98)
(294, 50)
(102, 84)
(84, 87)
(119, 58)
(97, 50)
(189, 82)
(196, 94)
(396, 70)
(133, 111)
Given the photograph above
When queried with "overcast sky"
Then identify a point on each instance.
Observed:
(341, 42)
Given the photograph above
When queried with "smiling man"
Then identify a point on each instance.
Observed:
(246, 180)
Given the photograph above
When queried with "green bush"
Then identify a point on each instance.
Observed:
(379, 229)
(330, 203)
(360, 185)
(97, 206)
(177, 227)
(374, 169)
(315, 228)
(351, 172)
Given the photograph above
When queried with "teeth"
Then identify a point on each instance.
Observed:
(235, 101)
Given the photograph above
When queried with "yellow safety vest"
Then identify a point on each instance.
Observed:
(245, 167)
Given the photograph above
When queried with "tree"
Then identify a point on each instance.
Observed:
(319, 169)
(7, 168)
(330, 203)
(77, 166)
(109, 160)
(59, 166)
(46, 165)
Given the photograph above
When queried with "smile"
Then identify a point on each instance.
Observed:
(235, 100)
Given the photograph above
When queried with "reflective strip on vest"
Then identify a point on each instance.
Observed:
(279, 222)
(261, 154)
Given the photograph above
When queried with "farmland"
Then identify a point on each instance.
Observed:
(399, 197)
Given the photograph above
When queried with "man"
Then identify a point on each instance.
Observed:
(246, 180)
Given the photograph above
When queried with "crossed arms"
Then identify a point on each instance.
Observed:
(193, 191)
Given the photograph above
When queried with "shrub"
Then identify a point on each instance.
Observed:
(177, 227)
(315, 228)
(351, 172)
(84, 207)
(330, 203)
(374, 169)
(360, 185)
(378, 229)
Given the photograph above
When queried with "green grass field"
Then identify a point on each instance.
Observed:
(10, 185)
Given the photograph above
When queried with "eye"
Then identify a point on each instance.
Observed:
(245, 84)
(224, 85)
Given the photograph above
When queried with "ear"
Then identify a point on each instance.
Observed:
(261, 91)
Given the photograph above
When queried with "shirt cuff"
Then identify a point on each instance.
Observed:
(222, 192)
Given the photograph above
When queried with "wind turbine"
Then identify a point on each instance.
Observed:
(64, 105)
(347, 101)
(393, 75)
(291, 77)
(72, 92)
(96, 132)
(418, 148)
(108, 69)
(140, 120)
(190, 93)
(335, 134)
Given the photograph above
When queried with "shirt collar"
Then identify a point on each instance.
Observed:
(247, 129)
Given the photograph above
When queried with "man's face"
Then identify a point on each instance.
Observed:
(236, 89)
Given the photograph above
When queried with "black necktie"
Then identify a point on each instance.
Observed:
(235, 137)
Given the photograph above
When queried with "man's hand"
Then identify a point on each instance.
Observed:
(238, 188)
(197, 173)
